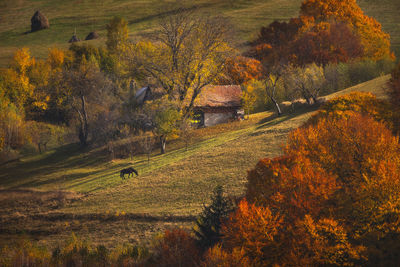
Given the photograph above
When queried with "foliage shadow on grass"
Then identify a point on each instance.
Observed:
(65, 157)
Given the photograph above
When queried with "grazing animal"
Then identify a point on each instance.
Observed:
(128, 171)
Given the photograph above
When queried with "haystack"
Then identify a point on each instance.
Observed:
(74, 39)
(39, 22)
(92, 36)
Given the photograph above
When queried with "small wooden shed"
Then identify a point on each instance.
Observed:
(218, 104)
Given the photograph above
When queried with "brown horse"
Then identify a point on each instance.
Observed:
(128, 171)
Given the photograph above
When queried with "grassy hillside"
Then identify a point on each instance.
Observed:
(88, 15)
(49, 196)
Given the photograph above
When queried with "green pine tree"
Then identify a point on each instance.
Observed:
(208, 224)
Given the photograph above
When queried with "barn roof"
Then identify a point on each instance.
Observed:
(216, 96)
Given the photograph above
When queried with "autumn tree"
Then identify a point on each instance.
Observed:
(42, 133)
(308, 81)
(185, 55)
(272, 85)
(12, 126)
(327, 43)
(375, 42)
(84, 88)
(240, 70)
(272, 45)
(249, 98)
(162, 117)
(327, 31)
(254, 230)
(15, 79)
(364, 156)
(335, 192)
(117, 35)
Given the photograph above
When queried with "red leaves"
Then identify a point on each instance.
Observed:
(293, 185)
(331, 198)
(240, 70)
(176, 248)
(326, 31)
(327, 43)
(255, 230)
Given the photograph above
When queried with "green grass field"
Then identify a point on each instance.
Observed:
(87, 15)
(49, 196)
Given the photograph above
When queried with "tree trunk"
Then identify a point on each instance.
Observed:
(39, 147)
(315, 99)
(163, 142)
(83, 131)
(278, 109)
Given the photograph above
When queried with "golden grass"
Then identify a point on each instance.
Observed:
(376, 86)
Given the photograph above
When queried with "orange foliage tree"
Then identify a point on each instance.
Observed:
(240, 70)
(326, 31)
(332, 199)
(327, 43)
(272, 45)
(375, 42)
(255, 231)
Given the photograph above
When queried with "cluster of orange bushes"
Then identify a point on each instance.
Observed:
(332, 199)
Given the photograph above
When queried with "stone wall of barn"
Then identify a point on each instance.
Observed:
(213, 118)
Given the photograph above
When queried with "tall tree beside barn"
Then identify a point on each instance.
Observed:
(185, 55)
(164, 118)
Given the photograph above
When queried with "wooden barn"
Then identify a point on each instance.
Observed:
(218, 104)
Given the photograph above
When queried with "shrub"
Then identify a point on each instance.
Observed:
(129, 255)
(359, 102)
(24, 253)
(77, 252)
(362, 71)
(218, 257)
(176, 248)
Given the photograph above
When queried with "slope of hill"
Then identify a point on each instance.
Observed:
(89, 15)
(82, 192)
